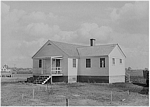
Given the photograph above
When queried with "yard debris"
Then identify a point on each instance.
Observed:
(76, 95)
(123, 99)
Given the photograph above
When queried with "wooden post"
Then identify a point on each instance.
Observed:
(47, 86)
(128, 92)
(67, 102)
(33, 93)
(111, 97)
(51, 79)
(51, 68)
(129, 79)
(22, 96)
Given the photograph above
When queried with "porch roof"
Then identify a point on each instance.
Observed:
(48, 57)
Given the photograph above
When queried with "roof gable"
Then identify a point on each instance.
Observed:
(117, 52)
(49, 49)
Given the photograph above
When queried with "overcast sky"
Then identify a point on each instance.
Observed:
(26, 26)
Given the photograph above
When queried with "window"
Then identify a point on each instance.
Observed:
(113, 61)
(88, 63)
(40, 63)
(74, 63)
(102, 62)
(120, 61)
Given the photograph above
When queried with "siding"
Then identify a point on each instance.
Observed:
(72, 72)
(36, 69)
(117, 69)
(95, 69)
(49, 50)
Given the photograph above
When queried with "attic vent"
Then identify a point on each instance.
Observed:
(49, 44)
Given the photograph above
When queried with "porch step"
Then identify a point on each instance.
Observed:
(38, 79)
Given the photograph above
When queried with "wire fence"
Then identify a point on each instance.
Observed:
(66, 97)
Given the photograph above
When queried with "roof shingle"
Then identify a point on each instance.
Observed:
(79, 50)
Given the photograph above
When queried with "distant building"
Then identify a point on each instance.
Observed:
(6, 71)
(5, 68)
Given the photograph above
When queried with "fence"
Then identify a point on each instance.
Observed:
(50, 94)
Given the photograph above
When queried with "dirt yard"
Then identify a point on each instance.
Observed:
(79, 94)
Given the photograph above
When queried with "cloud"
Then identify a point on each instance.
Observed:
(114, 15)
(92, 30)
(132, 17)
(38, 29)
(138, 10)
(36, 17)
(5, 8)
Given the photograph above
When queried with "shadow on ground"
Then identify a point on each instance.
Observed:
(145, 89)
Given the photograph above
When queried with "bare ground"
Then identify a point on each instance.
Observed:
(79, 94)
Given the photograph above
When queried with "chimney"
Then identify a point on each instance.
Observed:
(92, 42)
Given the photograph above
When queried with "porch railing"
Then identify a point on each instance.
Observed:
(56, 70)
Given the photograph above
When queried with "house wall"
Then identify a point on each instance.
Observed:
(117, 70)
(64, 65)
(95, 73)
(95, 69)
(47, 65)
(48, 51)
(36, 69)
(72, 71)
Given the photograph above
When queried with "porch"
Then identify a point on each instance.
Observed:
(45, 68)
(48, 66)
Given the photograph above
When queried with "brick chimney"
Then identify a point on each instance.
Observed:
(92, 42)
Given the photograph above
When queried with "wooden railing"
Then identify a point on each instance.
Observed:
(56, 70)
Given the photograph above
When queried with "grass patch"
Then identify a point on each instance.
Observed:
(79, 94)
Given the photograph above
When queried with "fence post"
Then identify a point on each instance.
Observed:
(128, 92)
(33, 93)
(22, 96)
(129, 79)
(67, 102)
(111, 97)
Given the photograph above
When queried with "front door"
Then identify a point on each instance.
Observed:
(57, 62)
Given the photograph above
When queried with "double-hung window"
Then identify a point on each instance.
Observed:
(40, 63)
(120, 61)
(74, 63)
(88, 63)
(113, 61)
(102, 62)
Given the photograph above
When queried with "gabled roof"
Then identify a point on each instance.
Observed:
(69, 49)
(98, 50)
(74, 50)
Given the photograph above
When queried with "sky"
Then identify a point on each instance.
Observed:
(27, 25)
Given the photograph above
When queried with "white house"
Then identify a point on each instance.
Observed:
(6, 71)
(76, 63)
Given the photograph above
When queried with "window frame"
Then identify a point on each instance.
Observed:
(121, 61)
(74, 63)
(88, 63)
(113, 61)
(40, 63)
(101, 63)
